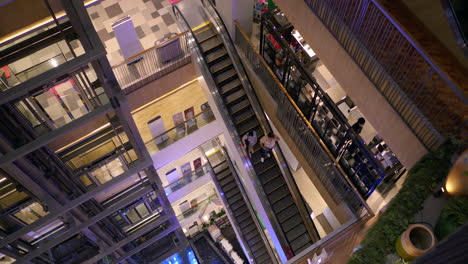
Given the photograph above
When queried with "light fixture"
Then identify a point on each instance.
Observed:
(54, 62)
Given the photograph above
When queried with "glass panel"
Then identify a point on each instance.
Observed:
(102, 174)
(62, 103)
(142, 210)
(85, 180)
(133, 216)
(31, 213)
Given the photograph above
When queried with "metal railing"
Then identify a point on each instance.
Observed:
(424, 97)
(229, 123)
(152, 63)
(329, 172)
(179, 131)
(259, 113)
(249, 205)
(186, 179)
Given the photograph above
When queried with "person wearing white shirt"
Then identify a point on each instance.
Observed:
(267, 143)
(248, 141)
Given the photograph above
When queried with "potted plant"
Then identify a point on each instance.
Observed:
(415, 241)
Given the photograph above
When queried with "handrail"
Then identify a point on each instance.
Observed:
(305, 120)
(150, 48)
(185, 177)
(224, 112)
(289, 178)
(331, 106)
(179, 125)
(246, 199)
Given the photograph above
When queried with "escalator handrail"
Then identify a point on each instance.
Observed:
(247, 203)
(233, 133)
(178, 13)
(288, 177)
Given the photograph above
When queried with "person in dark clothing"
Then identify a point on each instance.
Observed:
(357, 127)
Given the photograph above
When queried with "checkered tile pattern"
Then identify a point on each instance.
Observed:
(152, 19)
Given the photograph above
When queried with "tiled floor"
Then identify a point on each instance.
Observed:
(152, 19)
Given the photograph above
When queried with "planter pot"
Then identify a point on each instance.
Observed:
(415, 241)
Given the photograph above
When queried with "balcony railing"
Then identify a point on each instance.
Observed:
(153, 63)
(327, 169)
(426, 98)
(187, 179)
(179, 131)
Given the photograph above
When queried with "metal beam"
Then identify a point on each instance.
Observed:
(76, 229)
(49, 137)
(128, 239)
(149, 242)
(32, 84)
(40, 223)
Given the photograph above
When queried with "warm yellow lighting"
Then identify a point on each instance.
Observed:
(38, 24)
(457, 179)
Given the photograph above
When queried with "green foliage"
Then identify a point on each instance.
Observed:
(458, 209)
(425, 175)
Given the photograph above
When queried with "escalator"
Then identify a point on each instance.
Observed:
(244, 218)
(244, 118)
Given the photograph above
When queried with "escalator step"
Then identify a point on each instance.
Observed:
(303, 247)
(295, 232)
(260, 252)
(247, 126)
(249, 229)
(243, 215)
(225, 77)
(225, 181)
(216, 55)
(220, 167)
(245, 222)
(239, 212)
(234, 97)
(265, 258)
(237, 204)
(221, 66)
(231, 193)
(287, 214)
(204, 28)
(279, 193)
(258, 245)
(229, 186)
(205, 35)
(273, 185)
(222, 175)
(211, 44)
(239, 105)
(251, 235)
(300, 242)
(254, 241)
(283, 203)
(266, 169)
(230, 86)
(236, 199)
(291, 223)
(243, 115)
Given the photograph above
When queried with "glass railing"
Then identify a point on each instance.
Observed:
(187, 179)
(198, 207)
(318, 156)
(24, 75)
(179, 131)
(153, 63)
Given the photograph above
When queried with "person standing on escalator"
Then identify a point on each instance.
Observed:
(267, 143)
(248, 142)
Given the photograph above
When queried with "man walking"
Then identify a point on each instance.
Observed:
(267, 143)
